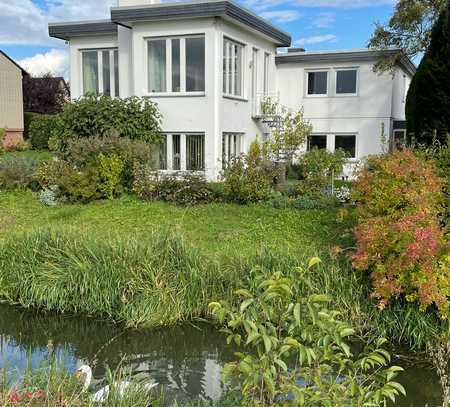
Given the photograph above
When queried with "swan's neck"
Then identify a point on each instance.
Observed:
(87, 380)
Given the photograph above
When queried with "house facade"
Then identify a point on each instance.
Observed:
(11, 100)
(209, 64)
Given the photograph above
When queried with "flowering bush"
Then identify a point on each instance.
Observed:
(399, 238)
(343, 194)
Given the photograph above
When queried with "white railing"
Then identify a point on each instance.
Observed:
(266, 106)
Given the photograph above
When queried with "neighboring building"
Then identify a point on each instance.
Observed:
(11, 100)
(209, 65)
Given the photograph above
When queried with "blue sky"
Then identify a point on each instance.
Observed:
(313, 24)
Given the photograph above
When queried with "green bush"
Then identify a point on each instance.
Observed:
(41, 129)
(316, 170)
(28, 118)
(18, 172)
(84, 152)
(181, 188)
(296, 347)
(250, 178)
(100, 116)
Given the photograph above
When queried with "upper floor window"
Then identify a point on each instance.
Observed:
(100, 71)
(266, 73)
(318, 83)
(176, 64)
(233, 72)
(346, 81)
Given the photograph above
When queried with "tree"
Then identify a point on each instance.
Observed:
(409, 29)
(45, 95)
(428, 100)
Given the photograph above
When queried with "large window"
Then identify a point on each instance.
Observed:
(100, 71)
(233, 72)
(317, 142)
(176, 64)
(195, 152)
(346, 81)
(318, 83)
(346, 143)
(231, 147)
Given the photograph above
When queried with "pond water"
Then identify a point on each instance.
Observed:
(187, 359)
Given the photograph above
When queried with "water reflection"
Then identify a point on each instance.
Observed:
(187, 359)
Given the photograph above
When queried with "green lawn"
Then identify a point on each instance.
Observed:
(214, 229)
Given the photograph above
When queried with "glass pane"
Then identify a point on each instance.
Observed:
(90, 72)
(317, 83)
(116, 73)
(266, 74)
(195, 64)
(176, 143)
(225, 66)
(163, 154)
(346, 81)
(346, 143)
(157, 66)
(319, 142)
(195, 152)
(176, 84)
(106, 73)
(238, 71)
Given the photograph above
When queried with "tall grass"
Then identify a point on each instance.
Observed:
(160, 280)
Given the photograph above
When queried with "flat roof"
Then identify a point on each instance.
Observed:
(66, 31)
(227, 9)
(347, 55)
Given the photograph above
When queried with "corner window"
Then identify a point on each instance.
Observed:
(317, 142)
(233, 72)
(318, 83)
(346, 143)
(231, 147)
(346, 82)
(182, 152)
(176, 64)
(100, 72)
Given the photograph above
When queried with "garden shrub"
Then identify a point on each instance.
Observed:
(316, 169)
(250, 178)
(41, 129)
(28, 118)
(295, 348)
(99, 116)
(178, 188)
(18, 172)
(398, 236)
(82, 152)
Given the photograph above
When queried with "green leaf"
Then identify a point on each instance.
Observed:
(297, 314)
(246, 304)
(314, 261)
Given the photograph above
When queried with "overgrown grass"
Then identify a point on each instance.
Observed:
(160, 280)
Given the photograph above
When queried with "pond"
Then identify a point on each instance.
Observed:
(187, 359)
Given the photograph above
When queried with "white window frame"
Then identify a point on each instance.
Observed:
(114, 92)
(183, 150)
(228, 75)
(340, 69)
(266, 74)
(227, 154)
(318, 70)
(169, 91)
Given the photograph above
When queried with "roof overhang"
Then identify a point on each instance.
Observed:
(347, 56)
(197, 9)
(66, 31)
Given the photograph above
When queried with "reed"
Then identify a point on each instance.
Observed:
(160, 280)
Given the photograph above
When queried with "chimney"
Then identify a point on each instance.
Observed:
(292, 50)
(128, 3)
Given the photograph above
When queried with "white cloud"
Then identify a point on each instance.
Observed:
(55, 61)
(324, 20)
(281, 16)
(260, 5)
(316, 39)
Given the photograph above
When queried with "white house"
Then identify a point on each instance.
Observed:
(209, 64)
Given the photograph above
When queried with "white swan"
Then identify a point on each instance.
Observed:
(85, 373)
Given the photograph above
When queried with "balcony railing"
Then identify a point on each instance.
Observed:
(266, 106)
